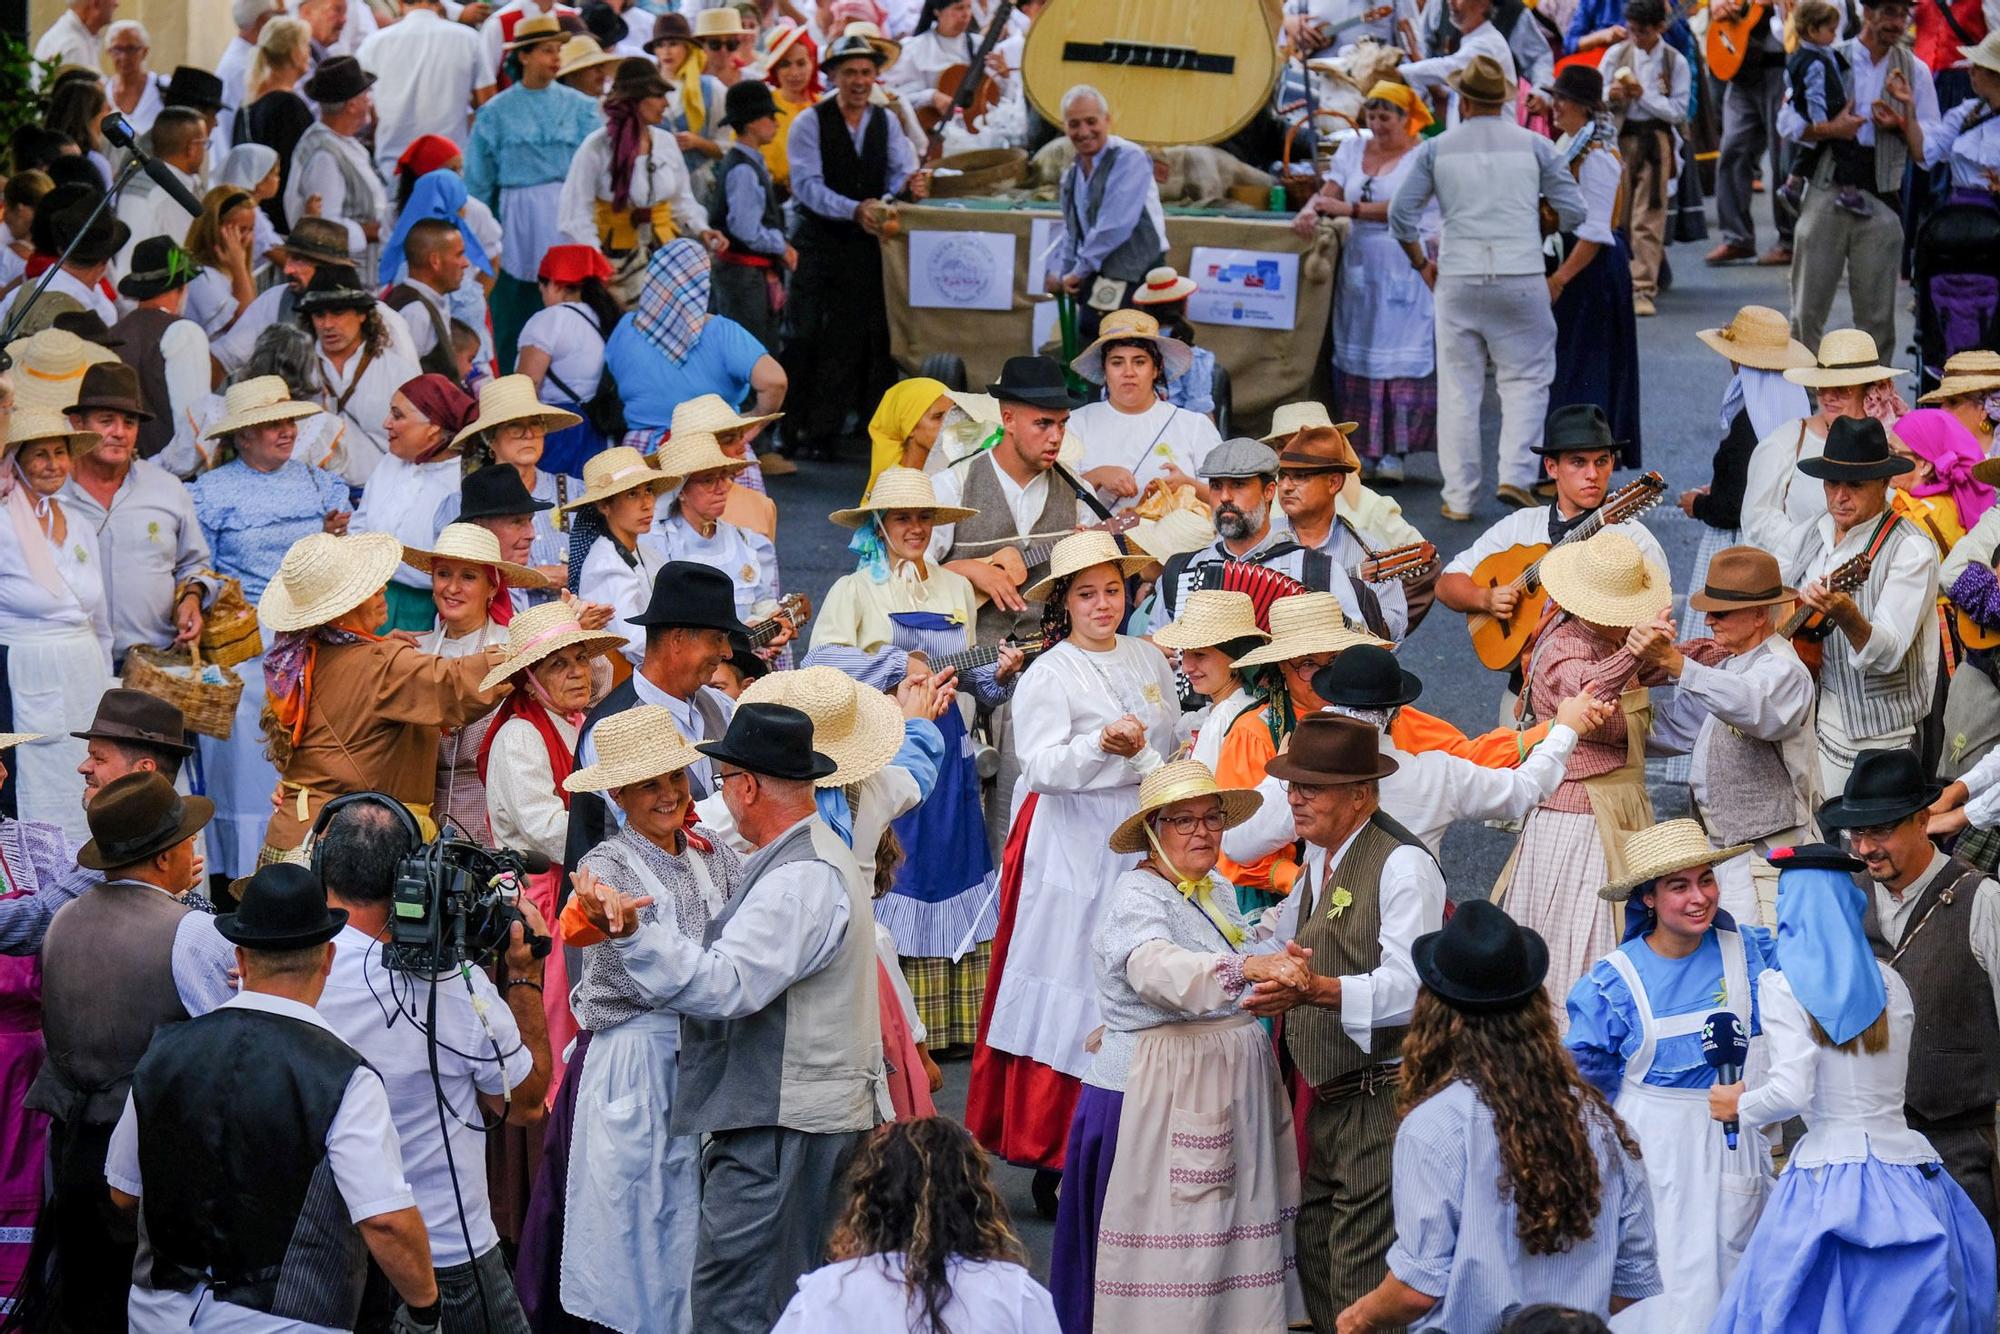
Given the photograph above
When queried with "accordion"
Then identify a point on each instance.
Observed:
(1264, 584)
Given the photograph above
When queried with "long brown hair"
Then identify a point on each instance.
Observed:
(204, 238)
(1543, 1109)
(922, 1187)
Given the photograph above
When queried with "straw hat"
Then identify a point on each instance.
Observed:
(580, 53)
(1974, 372)
(1986, 55)
(49, 366)
(782, 40)
(511, 398)
(632, 746)
(1662, 849)
(1304, 624)
(540, 28)
(1846, 357)
(28, 425)
(723, 22)
(541, 630)
(1291, 418)
(1181, 780)
(259, 402)
(474, 545)
(613, 472)
(901, 489)
(1211, 616)
(324, 577)
(1163, 286)
(691, 452)
(1132, 326)
(8, 740)
(711, 413)
(859, 729)
(1758, 337)
(1606, 580)
(1175, 533)
(1079, 552)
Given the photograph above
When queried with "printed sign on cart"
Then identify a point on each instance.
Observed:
(1254, 289)
(962, 270)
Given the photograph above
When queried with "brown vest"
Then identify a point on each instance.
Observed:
(993, 528)
(1955, 1047)
(142, 331)
(1345, 946)
(107, 984)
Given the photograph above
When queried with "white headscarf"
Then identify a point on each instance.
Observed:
(247, 165)
(1769, 398)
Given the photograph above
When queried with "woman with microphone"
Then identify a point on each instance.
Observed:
(1635, 1029)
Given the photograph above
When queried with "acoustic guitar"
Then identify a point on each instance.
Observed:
(1174, 71)
(1973, 635)
(967, 661)
(1499, 640)
(792, 612)
(1020, 564)
(1808, 629)
(973, 93)
(1729, 40)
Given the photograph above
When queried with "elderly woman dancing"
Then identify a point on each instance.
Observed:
(1206, 1155)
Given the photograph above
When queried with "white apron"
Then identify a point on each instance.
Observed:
(239, 778)
(1706, 1198)
(632, 1205)
(56, 677)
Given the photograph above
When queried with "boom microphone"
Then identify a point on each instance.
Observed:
(1725, 1048)
(114, 128)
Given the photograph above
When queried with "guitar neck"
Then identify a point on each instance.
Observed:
(967, 660)
(766, 630)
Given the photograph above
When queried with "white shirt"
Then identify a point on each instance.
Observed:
(1024, 502)
(1142, 443)
(381, 1014)
(365, 440)
(1412, 894)
(361, 1148)
(748, 558)
(427, 70)
(1777, 497)
(147, 543)
(1974, 154)
(660, 175)
(150, 211)
(233, 68)
(522, 808)
(1432, 790)
(568, 334)
(867, 1296)
(402, 499)
(605, 577)
(211, 302)
(423, 330)
(1766, 693)
(91, 298)
(68, 42)
(1982, 786)
(1344, 548)
(321, 175)
(28, 610)
(925, 58)
(1663, 77)
(1598, 176)
(233, 348)
(1865, 79)
(1530, 527)
(1905, 605)
(1434, 73)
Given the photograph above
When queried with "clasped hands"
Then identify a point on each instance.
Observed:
(1654, 644)
(1280, 982)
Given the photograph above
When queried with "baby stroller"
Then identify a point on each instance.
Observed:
(1957, 277)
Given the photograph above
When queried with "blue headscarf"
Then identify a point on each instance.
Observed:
(1639, 919)
(439, 194)
(1823, 953)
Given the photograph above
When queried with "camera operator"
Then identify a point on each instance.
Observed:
(385, 1014)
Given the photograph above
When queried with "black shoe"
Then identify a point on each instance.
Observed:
(1047, 1190)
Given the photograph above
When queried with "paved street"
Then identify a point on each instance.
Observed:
(1682, 385)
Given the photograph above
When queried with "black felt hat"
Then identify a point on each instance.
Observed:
(193, 87)
(61, 217)
(496, 492)
(1582, 85)
(282, 907)
(335, 287)
(1883, 787)
(1815, 857)
(1576, 427)
(1857, 450)
(747, 101)
(1366, 677)
(1037, 381)
(1482, 961)
(339, 79)
(158, 265)
(772, 740)
(694, 596)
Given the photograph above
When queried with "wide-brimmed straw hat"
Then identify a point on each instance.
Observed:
(1740, 577)
(8, 740)
(1132, 326)
(1846, 357)
(1163, 286)
(1758, 337)
(613, 472)
(720, 22)
(475, 545)
(49, 367)
(511, 398)
(532, 31)
(783, 39)
(1972, 372)
(324, 577)
(1181, 780)
(712, 413)
(1291, 418)
(1304, 624)
(1077, 553)
(259, 402)
(1211, 616)
(691, 452)
(858, 728)
(1178, 532)
(28, 425)
(888, 47)
(1986, 55)
(1662, 849)
(541, 630)
(850, 46)
(632, 746)
(582, 52)
(901, 489)
(1606, 580)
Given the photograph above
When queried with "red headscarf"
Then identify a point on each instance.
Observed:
(427, 153)
(451, 410)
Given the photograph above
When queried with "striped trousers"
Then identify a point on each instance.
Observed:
(1346, 1214)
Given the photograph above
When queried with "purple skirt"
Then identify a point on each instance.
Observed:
(1086, 1177)
(538, 1270)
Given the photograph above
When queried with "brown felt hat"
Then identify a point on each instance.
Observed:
(1328, 749)
(111, 386)
(1740, 577)
(137, 817)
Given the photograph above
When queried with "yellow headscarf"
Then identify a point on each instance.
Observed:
(689, 78)
(895, 417)
(1405, 97)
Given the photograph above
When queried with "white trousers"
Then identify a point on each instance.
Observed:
(1506, 324)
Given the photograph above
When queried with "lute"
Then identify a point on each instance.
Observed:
(985, 655)
(794, 610)
(1807, 628)
(973, 92)
(1405, 563)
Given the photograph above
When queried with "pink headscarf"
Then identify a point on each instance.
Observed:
(1941, 440)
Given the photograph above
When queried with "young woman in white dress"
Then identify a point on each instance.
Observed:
(1135, 437)
(607, 561)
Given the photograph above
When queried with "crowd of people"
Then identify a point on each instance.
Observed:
(453, 879)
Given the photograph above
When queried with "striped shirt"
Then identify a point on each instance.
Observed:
(1455, 1236)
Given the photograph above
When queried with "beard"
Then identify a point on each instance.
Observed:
(1237, 524)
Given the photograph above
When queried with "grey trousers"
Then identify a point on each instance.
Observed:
(1347, 1214)
(1831, 242)
(1967, 1147)
(1508, 324)
(768, 1203)
(1750, 131)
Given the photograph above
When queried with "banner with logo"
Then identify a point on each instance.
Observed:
(962, 270)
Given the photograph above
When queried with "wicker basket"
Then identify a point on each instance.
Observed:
(229, 633)
(983, 171)
(206, 707)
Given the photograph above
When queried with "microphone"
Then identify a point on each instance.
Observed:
(1725, 1048)
(114, 128)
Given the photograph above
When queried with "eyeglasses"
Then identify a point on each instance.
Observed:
(721, 43)
(1187, 824)
(1875, 833)
(721, 777)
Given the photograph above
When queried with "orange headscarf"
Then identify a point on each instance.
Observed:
(1405, 97)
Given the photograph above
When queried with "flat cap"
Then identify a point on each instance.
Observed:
(1240, 457)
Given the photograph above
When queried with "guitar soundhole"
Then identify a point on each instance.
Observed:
(1149, 55)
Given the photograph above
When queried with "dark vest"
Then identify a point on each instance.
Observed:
(107, 987)
(1955, 1046)
(718, 199)
(993, 528)
(1344, 946)
(1142, 250)
(440, 360)
(862, 175)
(142, 331)
(246, 1201)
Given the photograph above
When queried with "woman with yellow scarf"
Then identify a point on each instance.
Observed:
(695, 117)
(905, 426)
